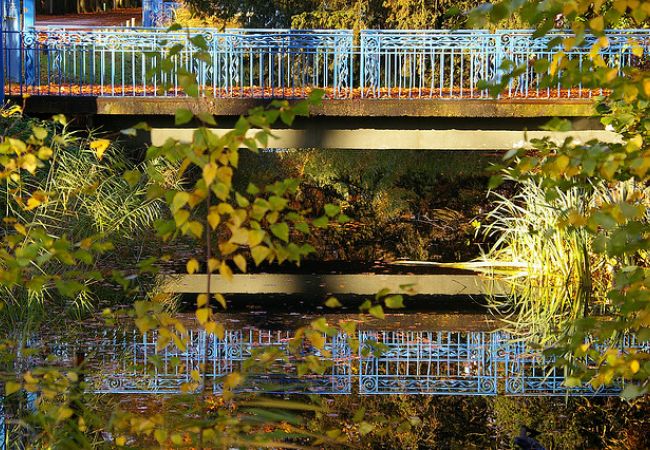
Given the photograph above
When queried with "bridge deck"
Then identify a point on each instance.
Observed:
(367, 107)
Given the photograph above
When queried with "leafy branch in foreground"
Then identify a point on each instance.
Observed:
(618, 227)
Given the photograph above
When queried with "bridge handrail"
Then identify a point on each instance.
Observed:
(286, 63)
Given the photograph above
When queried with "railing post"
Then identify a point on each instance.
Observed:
(12, 40)
(27, 26)
(150, 12)
(3, 420)
(2, 101)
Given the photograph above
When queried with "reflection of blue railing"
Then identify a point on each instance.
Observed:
(388, 362)
(290, 63)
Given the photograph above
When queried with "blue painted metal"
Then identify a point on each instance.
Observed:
(290, 63)
(3, 424)
(426, 63)
(2, 65)
(12, 47)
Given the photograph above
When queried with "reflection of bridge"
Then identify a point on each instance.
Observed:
(386, 362)
(391, 362)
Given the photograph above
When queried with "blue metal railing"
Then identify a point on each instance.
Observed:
(291, 63)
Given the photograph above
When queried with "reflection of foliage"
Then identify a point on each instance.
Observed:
(415, 422)
(573, 423)
(555, 273)
(414, 204)
(408, 421)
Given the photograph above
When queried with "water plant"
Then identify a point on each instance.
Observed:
(554, 272)
(75, 194)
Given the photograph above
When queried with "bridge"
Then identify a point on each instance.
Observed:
(392, 82)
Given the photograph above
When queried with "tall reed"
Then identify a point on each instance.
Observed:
(552, 269)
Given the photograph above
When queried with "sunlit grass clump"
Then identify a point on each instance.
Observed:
(552, 271)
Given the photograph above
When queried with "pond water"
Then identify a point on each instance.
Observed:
(415, 353)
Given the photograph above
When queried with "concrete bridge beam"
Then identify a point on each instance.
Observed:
(400, 139)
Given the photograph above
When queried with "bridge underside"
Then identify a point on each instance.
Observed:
(413, 124)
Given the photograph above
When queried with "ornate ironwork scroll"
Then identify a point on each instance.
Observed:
(444, 363)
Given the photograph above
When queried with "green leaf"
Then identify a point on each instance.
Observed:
(377, 311)
(206, 118)
(281, 231)
(260, 253)
(333, 302)
(365, 428)
(278, 203)
(183, 116)
(571, 382)
(394, 302)
(632, 391)
(332, 210)
(320, 222)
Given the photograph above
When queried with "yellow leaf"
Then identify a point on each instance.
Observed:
(160, 435)
(646, 87)
(221, 299)
(201, 300)
(209, 173)
(32, 203)
(635, 366)
(202, 315)
(597, 24)
(260, 253)
(11, 387)
(213, 264)
(255, 237)
(225, 271)
(196, 228)
(100, 146)
(181, 217)
(215, 328)
(20, 228)
(120, 441)
(196, 376)
(214, 218)
(180, 199)
(64, 413)
(232, 380)
(239, 235)
(44, 153)
(192, 266)
(562, 162)
(28, 377)
(29, 163)
(240, 261)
